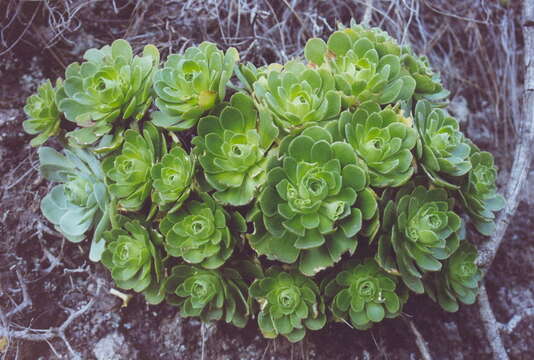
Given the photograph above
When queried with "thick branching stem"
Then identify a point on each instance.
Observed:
(518, 176)
(523, 152)
(491, 326)
(419, 341)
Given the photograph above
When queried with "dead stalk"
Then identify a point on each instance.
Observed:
(491, 326)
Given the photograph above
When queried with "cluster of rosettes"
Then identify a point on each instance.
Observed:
(317, 190)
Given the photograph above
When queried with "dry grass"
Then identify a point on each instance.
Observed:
(474, 44)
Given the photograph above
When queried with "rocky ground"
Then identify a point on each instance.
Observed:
(51, 279)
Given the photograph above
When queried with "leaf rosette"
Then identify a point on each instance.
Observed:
(443, 149)
(290, 304)
(134, 260)
(313, 204)
(190, 84)
(420, 231)
(129, 171)
(81, 201)
(171, 179)
(232, 150)
(202, 232)
(383, 139)
(248, 74)
(42, 112)
(209, 294)
(479, 192)
(298, 95)
(427, 82)
(458, 281)
(363, 294)
(366, 64)
(111, 86)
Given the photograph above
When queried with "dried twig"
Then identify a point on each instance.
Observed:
(491, 326)
(138, 19)
(366, 19)
(26, 300)
(419, 341)
(203, 340)
(515, 320)
(29, 334)
(21, 36)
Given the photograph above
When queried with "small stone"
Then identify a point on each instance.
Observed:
(114, 347)
(171, 330)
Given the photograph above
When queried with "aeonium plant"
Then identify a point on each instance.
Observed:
(420, 230)
(190, 84)
(458, 281)
(202, 232)
(290, 304)
(129, 171)
(134, 259)
(314, 203)
(233, 150)
(383, 139)
(80, 202)
(209, 294)
(442, 147)
(297, 95)
(233, 191)
(172, 178)
(364, 294)
(111, 88)
(43, 114)
(479, 191)
(366, 64)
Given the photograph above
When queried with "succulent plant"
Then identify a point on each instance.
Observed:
(130, 170)
(43, 115)
(317, 51)
(300, 149)
(232, 150)
(190, 84)
(366, 64)
(297, 95)
(383, 139)
(209, 294)
(171, 179)
(363, 294)
(313, 204)
(248, 74)
(134, 260)
(290, 304)
(427, 82)
(458, 281)
(443, 149)
(420, 229)
(202, 232)
(80, 202)
(479, 192)
(111, 86)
